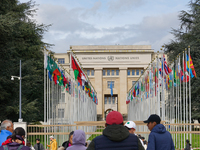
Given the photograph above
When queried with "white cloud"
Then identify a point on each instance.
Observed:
(123, 5)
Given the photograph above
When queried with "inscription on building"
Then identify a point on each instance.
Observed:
(109, 58)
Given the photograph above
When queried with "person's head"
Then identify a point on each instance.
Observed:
(51, 138)
(18, 134)
(142, 138)
(131, 126)
(187, 141)
(7, 125)
(114, 117)
(37, 140)
(79, 137)
(28, 144)
(71, 137)
(152, 121)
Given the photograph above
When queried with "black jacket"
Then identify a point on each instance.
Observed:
(116, 137)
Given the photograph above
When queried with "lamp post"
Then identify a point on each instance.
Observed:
(20, 99)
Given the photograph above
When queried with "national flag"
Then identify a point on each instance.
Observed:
(166, 68)
(190, 63)
(111, 89)
(74, 67)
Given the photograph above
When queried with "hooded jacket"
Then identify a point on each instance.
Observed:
(14, 145)
(3, 136)
(116, 137)
(53, 145)
(160, 139)
(78, 141)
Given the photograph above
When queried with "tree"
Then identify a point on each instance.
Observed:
(189, 35)
(21, 38)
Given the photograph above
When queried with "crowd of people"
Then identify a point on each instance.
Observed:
(116, 136)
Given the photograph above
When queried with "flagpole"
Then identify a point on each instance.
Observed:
(163, 102)
(44, 94)
(186, 97)
(190, 109)
(180, 99)
(176, 99)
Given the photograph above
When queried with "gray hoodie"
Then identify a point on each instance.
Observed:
(78, 141)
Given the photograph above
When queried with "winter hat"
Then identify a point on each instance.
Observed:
(114, 117)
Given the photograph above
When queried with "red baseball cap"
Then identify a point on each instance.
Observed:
(114, 117)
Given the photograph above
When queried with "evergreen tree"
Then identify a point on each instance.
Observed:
(189, 35)
(21, 39)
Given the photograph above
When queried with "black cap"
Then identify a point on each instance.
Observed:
(153, 118)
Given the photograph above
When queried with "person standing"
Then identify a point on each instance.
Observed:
(38, 145)
(131, 126)
(188, 145)
(78, 141)
(115, 136)
(68, 143)
(6, 130)
(16, 142)
(159, 138)
(53, 143)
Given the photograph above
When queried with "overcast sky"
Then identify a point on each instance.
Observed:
(108, 22)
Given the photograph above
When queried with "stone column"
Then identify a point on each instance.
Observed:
(122, 108)
(99, 89)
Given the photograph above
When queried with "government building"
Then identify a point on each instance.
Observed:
(119, 65)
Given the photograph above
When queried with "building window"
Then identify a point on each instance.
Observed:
(137, 72)
(113, 100)
(113, 72)
(104, 72)
(108, 72)
(62, 97)
(106, 100)
(92, 72)
(110, 82)
(128, 72)
(133, 82)
(109, 100)
(61, 60)
(88, 72)
(117, 72)
(61, 113)
(133, 72)
(141, 71)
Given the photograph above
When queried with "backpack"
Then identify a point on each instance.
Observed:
(5, 147)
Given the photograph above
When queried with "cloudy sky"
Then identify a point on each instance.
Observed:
(108, 22)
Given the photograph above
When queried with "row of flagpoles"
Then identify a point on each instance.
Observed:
(164, 89)
(67, 97)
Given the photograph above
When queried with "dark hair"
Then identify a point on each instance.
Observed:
(28, 144)
(37, 139)
(19, 131)
(71, 133)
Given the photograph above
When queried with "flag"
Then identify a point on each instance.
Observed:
(111, 89)
(166, 68)
(190, 63)
(74, 67)
(49, 74)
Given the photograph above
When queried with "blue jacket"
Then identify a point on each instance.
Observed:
(3, 136)
(160, 139)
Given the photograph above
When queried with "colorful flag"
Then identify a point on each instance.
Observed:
(190, 63)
